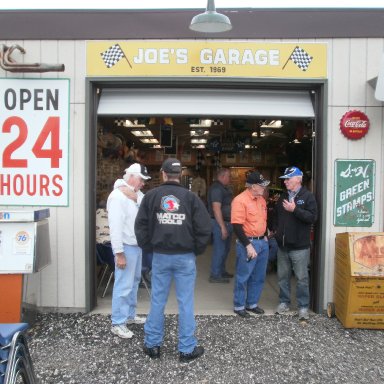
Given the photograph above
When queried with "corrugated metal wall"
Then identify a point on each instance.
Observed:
(351, 63)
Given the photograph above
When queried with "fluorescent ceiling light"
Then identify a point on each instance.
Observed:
(199, 132)
(134, 124)
(272, 124)
(146, 133)
(198, 141)
(150, 141)
(254, 134)
(202, 124)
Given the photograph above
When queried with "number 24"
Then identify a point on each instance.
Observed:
(51, 128)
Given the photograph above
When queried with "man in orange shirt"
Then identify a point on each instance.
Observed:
(249, 220)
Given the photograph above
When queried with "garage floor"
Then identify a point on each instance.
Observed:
(210, 298)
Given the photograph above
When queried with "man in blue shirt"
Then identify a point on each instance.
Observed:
(219, 207)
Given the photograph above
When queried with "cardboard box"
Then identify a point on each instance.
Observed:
(359, 279)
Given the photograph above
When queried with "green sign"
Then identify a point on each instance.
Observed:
(354, 193)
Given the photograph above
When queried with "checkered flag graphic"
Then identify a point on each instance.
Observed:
(301, 58)
(120, 123)
(217, 122)
(112, 55)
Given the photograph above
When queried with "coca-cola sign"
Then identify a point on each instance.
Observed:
(354, 125)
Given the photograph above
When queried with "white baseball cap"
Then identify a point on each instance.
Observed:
(138, 169)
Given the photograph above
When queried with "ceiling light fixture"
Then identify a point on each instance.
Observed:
(272, 124)
(199, 132)
(150, 141)
(146, 133)
(210, 21)
(206, 123)
(198, 141)
(134, 124)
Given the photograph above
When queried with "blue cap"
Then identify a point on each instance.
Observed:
(291, 172)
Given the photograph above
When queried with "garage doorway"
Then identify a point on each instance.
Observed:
(266, 142)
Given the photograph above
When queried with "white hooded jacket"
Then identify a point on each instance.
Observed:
(122, 213)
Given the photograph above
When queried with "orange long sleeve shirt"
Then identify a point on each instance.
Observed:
(250, 212)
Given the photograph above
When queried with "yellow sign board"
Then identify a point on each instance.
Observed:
(206, 58)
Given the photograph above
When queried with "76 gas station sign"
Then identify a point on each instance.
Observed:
(34, 130)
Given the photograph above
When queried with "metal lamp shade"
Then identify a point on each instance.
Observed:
(210, 21)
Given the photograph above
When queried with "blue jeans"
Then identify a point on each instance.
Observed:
(273, 247)
(181, 268)
(250, 275)
(220, 249)
(298, 261)
(124, 296)
(147, 261)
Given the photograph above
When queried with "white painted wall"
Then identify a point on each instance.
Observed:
(62, 284)
(351, 63)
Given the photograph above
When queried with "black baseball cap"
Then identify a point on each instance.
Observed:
(171, 165)
(257, 178)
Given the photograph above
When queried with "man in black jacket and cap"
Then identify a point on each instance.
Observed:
(173, 223)
(296, 211)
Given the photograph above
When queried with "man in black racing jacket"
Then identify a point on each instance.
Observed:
(295, 212)
(173, 223)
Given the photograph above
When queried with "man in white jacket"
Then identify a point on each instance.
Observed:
(122, 212)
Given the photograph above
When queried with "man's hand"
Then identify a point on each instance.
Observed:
(224, 232)
(251, 251)
(129, 193)
(121, 262)
(289, 206)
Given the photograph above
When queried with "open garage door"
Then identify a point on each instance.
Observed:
(202, 101)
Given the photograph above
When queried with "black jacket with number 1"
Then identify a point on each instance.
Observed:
(172, 220)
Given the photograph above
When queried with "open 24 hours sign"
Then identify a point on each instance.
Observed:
(34, 129)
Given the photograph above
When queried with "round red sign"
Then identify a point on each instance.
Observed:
(354, 125)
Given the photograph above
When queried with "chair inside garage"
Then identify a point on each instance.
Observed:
(106, 261)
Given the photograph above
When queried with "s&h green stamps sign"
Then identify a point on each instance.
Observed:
(354, 193)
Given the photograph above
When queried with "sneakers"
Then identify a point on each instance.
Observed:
(282, 308)
(122, 331)
(136, 320)
(186, 357)
(256, 310)
(242, 313)
(303, 314)
(153, 352)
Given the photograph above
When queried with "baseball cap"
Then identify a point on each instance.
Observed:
(291, 172)
(171, 165)
(257, 178)
(139, 170)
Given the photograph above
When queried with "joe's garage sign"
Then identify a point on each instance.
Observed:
(34, 127)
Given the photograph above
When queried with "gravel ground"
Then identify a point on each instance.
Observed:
(79, 348)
